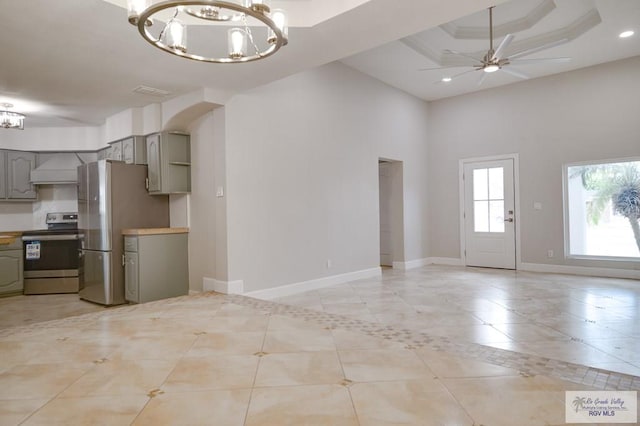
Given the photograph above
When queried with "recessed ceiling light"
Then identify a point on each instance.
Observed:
(626, 34)
(446, 79)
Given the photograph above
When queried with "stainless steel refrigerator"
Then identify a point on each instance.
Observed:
(111, 197)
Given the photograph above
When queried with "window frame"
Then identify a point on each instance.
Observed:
(565, 208)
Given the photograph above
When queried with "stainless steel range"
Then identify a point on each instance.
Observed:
(51, 256)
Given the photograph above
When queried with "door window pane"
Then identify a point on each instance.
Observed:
(481, 216)
(488, 198)
(496, 216)
(496, 183)
(480, 191)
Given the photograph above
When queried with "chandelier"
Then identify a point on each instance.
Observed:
(219, 31)
(10, 119)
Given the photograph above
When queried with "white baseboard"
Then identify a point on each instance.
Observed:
(193, 292)
(289, 289)
(225, 287)
(449, 261)
(411, 264)
(580, 270)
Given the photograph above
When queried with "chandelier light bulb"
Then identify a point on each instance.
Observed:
(237, 43)
(135, 8)
(176, 35)
(279, 17)
(257, 5)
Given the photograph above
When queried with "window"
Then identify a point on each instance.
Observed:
(603, 209)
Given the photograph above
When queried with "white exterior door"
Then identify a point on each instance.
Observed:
(489, 214)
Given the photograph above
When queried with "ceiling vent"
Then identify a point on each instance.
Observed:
(151, 91)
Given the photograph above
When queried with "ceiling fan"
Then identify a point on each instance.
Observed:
(495, 59)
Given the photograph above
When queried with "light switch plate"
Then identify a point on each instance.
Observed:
(220, 192)
(537, 205)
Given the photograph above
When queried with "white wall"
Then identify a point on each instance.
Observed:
(588, 114)
(53, 139)
(23, 216)
(207, 219)
(302, 175)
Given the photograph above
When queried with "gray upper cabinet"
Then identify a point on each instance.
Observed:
(103, 154)
(134, 150)
(169, 161)
(131, 150)
(15, 179)
(115, 153)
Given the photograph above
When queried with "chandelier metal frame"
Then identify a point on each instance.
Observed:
(10, 119)
(260, 12)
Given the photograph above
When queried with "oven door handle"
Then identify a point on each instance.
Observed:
(28, 238)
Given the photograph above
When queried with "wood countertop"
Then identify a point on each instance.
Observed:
(9, 237)
(155, 231)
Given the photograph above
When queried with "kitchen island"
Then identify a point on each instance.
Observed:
(156, 263)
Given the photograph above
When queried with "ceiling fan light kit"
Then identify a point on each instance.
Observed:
(166, 23)
(10, 119)
(626, 34)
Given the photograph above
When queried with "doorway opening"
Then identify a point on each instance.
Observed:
(390, 177)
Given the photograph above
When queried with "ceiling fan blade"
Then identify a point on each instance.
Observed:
(538, 49)
(484, 75)
(453, 77)
(540, 61)
(454, 52)
(515, 73)
(499, 53)
(447, 67)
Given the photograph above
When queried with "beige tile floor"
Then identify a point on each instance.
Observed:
(585, 320)
(230, 360)
(23, 310)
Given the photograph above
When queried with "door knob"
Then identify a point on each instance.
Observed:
(509, 220)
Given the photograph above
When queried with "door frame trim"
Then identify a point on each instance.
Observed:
(516, 201)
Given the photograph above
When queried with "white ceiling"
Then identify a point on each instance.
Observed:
(584, 30)
(76, 62)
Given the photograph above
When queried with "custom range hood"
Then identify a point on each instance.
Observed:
(56, 168)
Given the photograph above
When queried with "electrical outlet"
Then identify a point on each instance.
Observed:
(549, 253)
(328, 263)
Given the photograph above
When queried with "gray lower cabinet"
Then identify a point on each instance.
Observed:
(11, 265)
(3, 175)
(155, 267)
